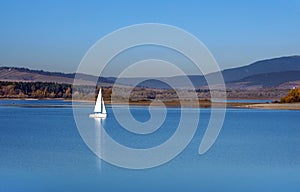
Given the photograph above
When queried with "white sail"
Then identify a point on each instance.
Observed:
(103, 106)
(98, 106)
(99, 111)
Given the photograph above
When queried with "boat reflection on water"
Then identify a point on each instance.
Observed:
(98, 139)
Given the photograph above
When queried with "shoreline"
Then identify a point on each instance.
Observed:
(188, 104)
(276, 106)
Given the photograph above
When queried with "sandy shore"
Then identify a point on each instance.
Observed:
(280, 106)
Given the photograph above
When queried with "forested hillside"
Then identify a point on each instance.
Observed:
(35, 90)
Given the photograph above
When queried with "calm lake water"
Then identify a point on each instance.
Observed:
(41, 150)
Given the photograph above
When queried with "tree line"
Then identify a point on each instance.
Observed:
(35, 90)
(292, 97)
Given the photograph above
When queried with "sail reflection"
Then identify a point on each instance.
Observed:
(98, 139)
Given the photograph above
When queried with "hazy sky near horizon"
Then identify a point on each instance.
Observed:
(55, 35)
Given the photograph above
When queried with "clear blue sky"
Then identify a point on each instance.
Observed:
(54, 35)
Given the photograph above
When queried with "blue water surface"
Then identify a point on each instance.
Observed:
(41, 150)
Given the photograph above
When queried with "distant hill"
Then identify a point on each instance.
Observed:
(291, 63)
(280, 72)
(28, 75)
(264, 73)
(23, 74)
(269, 66)
(285, 79)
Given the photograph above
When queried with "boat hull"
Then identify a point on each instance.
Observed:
(98, 115)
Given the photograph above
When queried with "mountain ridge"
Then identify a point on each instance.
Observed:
(263, 73)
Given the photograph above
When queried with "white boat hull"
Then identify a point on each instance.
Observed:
(98, 115)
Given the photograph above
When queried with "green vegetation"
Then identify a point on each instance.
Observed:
(49, 90)
(292, 97)
(35, 90)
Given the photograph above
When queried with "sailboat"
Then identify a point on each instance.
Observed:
(99, 110)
